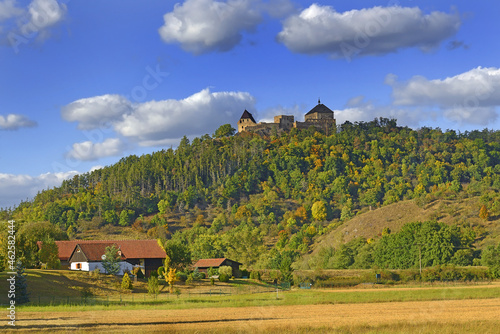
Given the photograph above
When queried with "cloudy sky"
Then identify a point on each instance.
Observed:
(84, 83)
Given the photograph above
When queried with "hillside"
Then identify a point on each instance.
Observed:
(269, 200)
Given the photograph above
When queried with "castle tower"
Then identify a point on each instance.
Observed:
(319, 112)
(245, 121)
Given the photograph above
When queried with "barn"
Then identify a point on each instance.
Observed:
(204, 264)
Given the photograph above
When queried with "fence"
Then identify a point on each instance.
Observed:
(200, 293)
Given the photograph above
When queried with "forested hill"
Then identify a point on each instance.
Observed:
(274, 194)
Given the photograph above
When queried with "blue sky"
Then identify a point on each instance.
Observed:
(84, 83)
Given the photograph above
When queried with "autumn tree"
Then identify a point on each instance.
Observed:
(318, 211)
(483, 213)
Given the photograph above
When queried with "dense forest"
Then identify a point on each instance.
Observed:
(264, 200)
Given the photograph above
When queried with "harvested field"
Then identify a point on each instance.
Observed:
(445, 316)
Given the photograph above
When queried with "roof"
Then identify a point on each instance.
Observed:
(131, 249)
(94, 251)
(207, 263)
(246, 114)
(320, 108)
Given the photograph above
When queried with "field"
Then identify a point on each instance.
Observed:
(251, 306)
(451, 308)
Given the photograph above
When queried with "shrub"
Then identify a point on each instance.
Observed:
(189, 279)
(153, 286)
(161, 271)
(226, 270)
(255, 275)
(203, 275)
(182, 276)
(126, 282)
(212, 281)
(224, 278)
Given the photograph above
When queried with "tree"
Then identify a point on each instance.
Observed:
(171, 278)
(226, 270)
(225, 130)
(49, 254)
(483, 213)
(318, 211)
(153, 285)
(21, 284)
(178, 254)
(111, 260)
(127, 282)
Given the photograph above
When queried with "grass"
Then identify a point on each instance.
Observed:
(287, 298)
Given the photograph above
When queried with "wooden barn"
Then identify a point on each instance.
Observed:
(204, 264)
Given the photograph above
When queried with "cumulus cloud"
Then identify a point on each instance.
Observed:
(469, 97)
(207, 25)
(159, 122)
(89, 151)
(15, 121)
(9, 10)
(96, 112)
(372, 31)
(357, 109)
(17, 188)
(30, 23)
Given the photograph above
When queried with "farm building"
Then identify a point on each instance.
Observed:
(204, 264)
(88, 257)
(145, 253)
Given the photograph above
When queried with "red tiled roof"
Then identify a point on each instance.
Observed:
(95, 250)
(131, 249)
(207, 263)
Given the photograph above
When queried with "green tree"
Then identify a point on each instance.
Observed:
(21, 284)
(111, 260)
(49, 254)
(153, 285)
(225, 130)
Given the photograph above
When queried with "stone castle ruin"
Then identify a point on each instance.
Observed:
(319, 117)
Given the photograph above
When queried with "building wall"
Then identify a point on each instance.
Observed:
(91, 266)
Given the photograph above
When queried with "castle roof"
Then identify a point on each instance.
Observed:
(246, 114)
(320, 108)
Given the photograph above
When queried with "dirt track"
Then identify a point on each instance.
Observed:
(258, 319)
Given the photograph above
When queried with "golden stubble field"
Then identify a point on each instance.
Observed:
(427, 316)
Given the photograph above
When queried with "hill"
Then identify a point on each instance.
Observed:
(267, 201)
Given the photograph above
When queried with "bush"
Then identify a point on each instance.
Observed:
(226, 270)
(189, 279)
(126, 282)
(224, 277)
(255, 275)
(212, 281)
(181, 276)
(161, 271)
(245, 273)
(203, 275)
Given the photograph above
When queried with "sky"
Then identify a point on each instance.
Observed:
(85, 83)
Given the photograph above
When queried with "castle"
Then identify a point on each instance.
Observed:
(320, 117)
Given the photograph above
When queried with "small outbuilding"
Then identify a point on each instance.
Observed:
(204, 264)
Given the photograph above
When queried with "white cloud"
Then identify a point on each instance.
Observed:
(15, 121)
(17, 188)
(30, 23)
(9, 10)
(45, 13)
(470, 97)
(89, 151)
(96, 112)
(359, 110)
(373, 31)
(156, 122)
(207, 25)
(159, 122)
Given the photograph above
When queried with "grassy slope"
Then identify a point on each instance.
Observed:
(371, 223)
